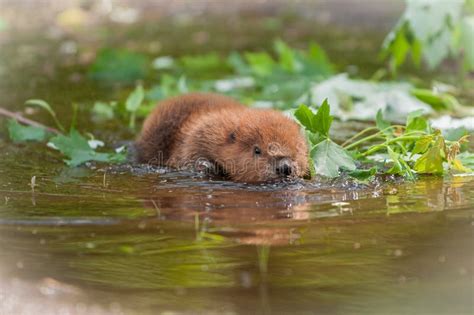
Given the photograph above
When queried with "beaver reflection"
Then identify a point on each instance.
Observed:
(233, 211)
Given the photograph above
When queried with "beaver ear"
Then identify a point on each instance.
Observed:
(232, 137)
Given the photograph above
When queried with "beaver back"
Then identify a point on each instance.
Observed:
(162, 129)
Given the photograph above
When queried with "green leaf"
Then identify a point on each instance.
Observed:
(306, 117)
(238, 64)
(315, 123)
(397, 167)
(44, 105)
(400, 47)
(415, 122)
(382, 124)
(467, 39)
(76, 148)
(437, 102)
(318, 61)
(286, 56)
(427, 27)
(437, 48)
(329, 158)
(454, 134)
(323, 119)
(416, 52)
(400, 166)
(363, 174)
(20, 133)
(261, 63)
(135, 99)
(418, 124)
(203, 64)
(467, 159)
(457, 165)
(422, 145)
(114, 65)
(41, 103)
(102, 111)
(431, 162)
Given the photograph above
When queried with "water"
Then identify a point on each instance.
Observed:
(133, 240)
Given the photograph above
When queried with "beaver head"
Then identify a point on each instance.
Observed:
(263, 145)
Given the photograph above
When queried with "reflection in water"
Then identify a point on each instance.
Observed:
(154, 242)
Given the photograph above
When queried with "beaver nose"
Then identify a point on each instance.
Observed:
(284, 168)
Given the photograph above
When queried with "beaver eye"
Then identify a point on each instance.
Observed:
(257, 151)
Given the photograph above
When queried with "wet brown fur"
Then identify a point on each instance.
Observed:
(185, 130)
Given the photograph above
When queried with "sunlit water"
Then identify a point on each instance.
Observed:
(134, 240)
(141, 241)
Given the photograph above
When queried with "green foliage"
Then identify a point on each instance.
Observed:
(103, 111)
(78, 151)
(467, 39)
(284, 76)
(313, 62)
(169, 86)
(261, 63)
(328, 157)
(361, 99)
(429, 28)
(467, 160)
(113, 65)
(202, 65)
(363, 174)
(382, 124)
(44, 105)
(413, 148)
(20, 133)
(438, 101)
(319, 123)
(133, 102)
(431, 162)
(279, 79)
(74, 146)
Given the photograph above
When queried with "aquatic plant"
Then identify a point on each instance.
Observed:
(410, 149)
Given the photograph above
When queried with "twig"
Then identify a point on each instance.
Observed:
(26, 121)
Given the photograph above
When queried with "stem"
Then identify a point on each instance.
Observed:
(375, 135)
(26, 121)
(357, 135)
(56, 121)
(131, 124)
(382, 145)
(74, 117)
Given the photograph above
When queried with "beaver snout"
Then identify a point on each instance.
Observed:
(284, 167)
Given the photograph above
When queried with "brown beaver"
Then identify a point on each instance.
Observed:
(220, 134)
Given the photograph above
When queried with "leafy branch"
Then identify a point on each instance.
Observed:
(73, 145)
(410, 149)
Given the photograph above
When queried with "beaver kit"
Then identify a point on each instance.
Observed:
(218, 134)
